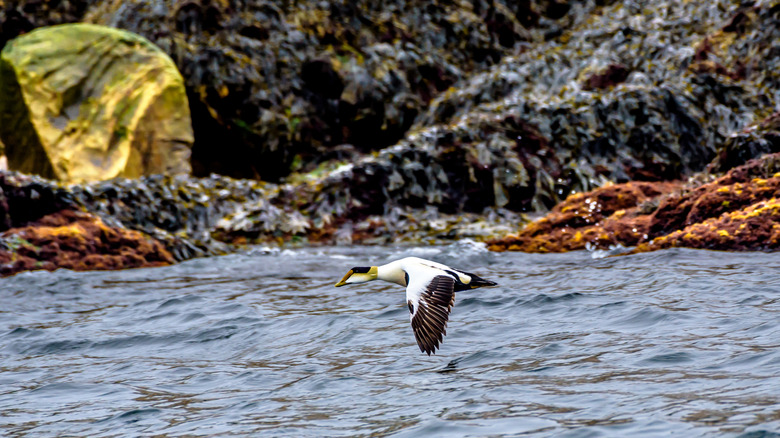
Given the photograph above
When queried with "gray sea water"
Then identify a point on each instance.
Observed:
(671, 343)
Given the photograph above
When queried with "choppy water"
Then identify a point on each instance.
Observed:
(675, 342)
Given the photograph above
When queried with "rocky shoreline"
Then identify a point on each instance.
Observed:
(625, 123)
(156, 221)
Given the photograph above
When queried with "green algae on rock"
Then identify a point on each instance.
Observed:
(84, 102)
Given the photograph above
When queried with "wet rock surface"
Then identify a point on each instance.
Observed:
(175, 213)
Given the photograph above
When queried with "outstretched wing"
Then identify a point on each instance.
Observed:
(430, 313)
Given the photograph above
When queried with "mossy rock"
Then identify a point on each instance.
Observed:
(84, 102)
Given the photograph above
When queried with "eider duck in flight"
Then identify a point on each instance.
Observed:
(430, 293)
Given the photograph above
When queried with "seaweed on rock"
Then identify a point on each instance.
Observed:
(662, 115)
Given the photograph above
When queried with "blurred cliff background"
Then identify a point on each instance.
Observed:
(146, 132)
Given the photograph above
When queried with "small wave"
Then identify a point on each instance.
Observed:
(544, 299)
(132, 416)
(215, 334)
(466, 247)
(134, 341)
(179, 301)
(61, 387)
(476, 359)
(463, 254)
(55, 347)
(480, 302)
(668, 358)
(262, 251)
(760, 434)
(643, 318)
(21, 332)
(745, 361)
(192, 316)
(612, 251)
(393, 314)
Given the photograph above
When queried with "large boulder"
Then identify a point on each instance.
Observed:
(84, 102)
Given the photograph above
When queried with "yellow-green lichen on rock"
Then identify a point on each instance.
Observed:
(83, 102)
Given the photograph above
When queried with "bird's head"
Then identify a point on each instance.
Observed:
(359, 274)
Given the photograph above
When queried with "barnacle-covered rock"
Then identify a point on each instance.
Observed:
(466, 168)
(753, 228)
(79, 241)
(755, 181)
(84, 102)
(180, 210)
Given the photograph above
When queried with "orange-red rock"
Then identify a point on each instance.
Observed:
(738, 211)
(755, 227)
(79, 241)
(606, 216)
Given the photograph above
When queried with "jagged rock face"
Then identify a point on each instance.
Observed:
(620, 90)
(84, 103)
(25, 199)
(640, 91)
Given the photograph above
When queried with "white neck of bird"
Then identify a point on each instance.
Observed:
(391, 272)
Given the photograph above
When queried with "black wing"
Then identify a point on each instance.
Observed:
(429, 319)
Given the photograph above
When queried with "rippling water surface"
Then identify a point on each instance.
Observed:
(261, 343)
